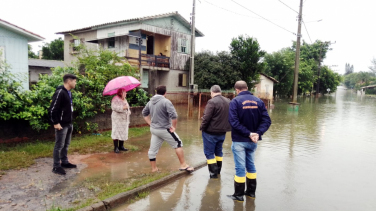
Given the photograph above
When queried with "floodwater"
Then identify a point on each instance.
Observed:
(321, 157)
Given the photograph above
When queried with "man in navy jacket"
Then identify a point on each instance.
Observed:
(249, 120)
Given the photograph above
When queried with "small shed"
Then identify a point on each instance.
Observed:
(264, 89)
(39, 67)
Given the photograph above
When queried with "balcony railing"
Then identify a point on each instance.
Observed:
(151, 60)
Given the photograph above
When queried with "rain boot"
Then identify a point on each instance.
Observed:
(239, 192)
(116, 144)
(121, 146)
(219, 163)
(251, 188)
(213, 170)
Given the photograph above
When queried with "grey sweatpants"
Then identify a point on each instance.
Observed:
(157, 138)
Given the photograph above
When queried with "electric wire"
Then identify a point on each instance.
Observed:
(288, 6)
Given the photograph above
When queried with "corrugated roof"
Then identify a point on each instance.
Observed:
(3, 22)
(45, 63)
(175, 14)
(271, 78)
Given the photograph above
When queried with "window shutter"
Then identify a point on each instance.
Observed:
(179, 45)
(188, 48)
(184, 83)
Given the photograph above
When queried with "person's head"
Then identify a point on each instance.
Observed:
(240, 86)
(161, 90)
(69, 81)
(122, 93)
(215, 90)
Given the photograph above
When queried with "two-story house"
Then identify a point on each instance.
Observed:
(158, 45)
(14, 49)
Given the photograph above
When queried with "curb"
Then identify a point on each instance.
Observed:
(122, 198)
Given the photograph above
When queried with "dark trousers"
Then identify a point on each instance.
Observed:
(62, 141)
(213, 145)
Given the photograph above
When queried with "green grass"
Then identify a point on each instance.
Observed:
(24, 155)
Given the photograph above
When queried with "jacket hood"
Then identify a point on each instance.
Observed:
(60, 87)
(156, 98)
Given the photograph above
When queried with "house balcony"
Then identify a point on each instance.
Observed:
(149, 60)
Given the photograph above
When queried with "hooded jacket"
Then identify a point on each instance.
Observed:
(61, 108)
(248, 114)
(161, 112)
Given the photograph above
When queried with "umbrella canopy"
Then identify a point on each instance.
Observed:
(122, 82)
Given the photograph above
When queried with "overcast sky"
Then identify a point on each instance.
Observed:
(348, 23)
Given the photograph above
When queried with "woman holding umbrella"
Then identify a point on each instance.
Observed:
(120, 109)
(120, 120)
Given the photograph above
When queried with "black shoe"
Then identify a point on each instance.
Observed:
(239, 192)
(121, 146)
(68, 165)
(213, 170)
(251, 188)
(59, 170)
(116, 146)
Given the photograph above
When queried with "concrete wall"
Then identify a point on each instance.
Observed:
(20, 130)
(264, 89)
(69, 55)
(15, 52)
(35, 71)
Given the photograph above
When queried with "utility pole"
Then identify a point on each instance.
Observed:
(193, 35)
(297, 56)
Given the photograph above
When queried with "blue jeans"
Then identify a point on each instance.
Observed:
(62, 141)
(244, 154)
(213, 145)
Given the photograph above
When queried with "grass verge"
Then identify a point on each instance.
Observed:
(23, 155)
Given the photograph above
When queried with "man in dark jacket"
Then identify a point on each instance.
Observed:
(214, 127)
(60, 114)
(249, 120)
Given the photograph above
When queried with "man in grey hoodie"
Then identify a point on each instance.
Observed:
(161, 115)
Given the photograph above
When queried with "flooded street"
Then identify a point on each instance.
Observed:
(319, 158)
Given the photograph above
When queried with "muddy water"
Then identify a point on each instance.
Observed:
(319, 158)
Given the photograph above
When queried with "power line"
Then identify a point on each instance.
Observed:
(264, 18)
(288, 6)
(307, 32)
(229, 10)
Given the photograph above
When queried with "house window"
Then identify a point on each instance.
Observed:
(111, 42)
(76, 44)
(183, 46)
(182, 80)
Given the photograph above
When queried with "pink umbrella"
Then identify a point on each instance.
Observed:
(122, 82)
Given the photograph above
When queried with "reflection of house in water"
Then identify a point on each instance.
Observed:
(264, 89)
(159, 45)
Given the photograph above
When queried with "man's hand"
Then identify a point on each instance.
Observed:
(172, 129)
(58, 126)
(254, 137)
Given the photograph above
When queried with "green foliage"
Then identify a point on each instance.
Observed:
(94, 69)
(30, 52)
(280, 65)
(312, 51)
(329, 79)
(54, 50)
(215, 69)
(359, 79)
(306, 76)
(372, 68)
(247, 55)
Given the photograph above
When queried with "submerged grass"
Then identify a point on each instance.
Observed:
(24, 154)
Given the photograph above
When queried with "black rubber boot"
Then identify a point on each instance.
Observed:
(251, 188)
(116, 144)
(121, 146)
(239, 192)
(219, 164)
(213, 170)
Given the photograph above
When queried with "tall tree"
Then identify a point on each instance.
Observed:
(30, 52)
(54, 50)
(349, 69)
(280, 65)
(215, 69)
(373, 66)
(248, 57)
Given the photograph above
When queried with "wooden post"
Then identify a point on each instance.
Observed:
(199, 106)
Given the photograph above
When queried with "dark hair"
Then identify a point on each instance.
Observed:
(161, 90)
(120, 93)
(241, 85)
(69, 76)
